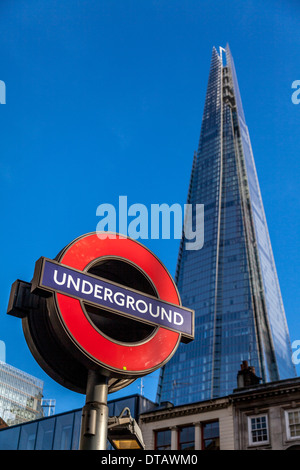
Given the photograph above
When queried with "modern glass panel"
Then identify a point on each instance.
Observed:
(9, 438)
(76, 430)
(45, 434)
(231, 282)
(28, 436)
(63, 432)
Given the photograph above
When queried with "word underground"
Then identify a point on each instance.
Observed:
(190, 221)
(116, 298)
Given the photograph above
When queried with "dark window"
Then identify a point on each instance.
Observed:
(163, 440)
(210, 436)
(186, 438)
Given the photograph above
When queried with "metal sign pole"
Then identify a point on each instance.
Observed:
(93, 435)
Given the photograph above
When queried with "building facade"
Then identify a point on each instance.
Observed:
(267, 416)
(207, 425)
(231, 282)
(20, 395)
(255, 416)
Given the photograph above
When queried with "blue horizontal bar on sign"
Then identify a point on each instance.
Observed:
(116, 298)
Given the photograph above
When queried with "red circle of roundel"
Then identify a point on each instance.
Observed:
(134, 358)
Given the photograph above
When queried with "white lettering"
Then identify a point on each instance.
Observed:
(108, 222)
(145, 306)
(123, 215)
(88, 284)
(107, 294)
(162, 215)
(130, 302)
(117, 460)
(165, 211)
(118, 302)
(295, 98)
(75, 285)
(140, 222)
(97, 291)
(60, 283)
(198, 234)
(2, 92)
(177, 314)
(149, 459)
(171, 459)
(164, 313)
(154, 314)
(295, 358)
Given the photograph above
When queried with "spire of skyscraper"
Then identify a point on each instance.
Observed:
(231, 282)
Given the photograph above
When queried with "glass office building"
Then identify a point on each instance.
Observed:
(20, 395)
(231, 282)
(62, 431)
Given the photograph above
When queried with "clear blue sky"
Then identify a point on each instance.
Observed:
(105, 98)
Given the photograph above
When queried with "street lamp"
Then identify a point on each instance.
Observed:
(124, 433)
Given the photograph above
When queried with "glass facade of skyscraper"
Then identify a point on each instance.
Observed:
(20, 395)
(231, 282)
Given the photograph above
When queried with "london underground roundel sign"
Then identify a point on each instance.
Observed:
(107, 303)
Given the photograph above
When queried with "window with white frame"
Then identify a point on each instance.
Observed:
(292, 418)
(258, 429)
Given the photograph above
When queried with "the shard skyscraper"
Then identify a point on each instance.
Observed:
(231, 282)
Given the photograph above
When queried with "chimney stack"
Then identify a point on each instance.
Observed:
(246, 376)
